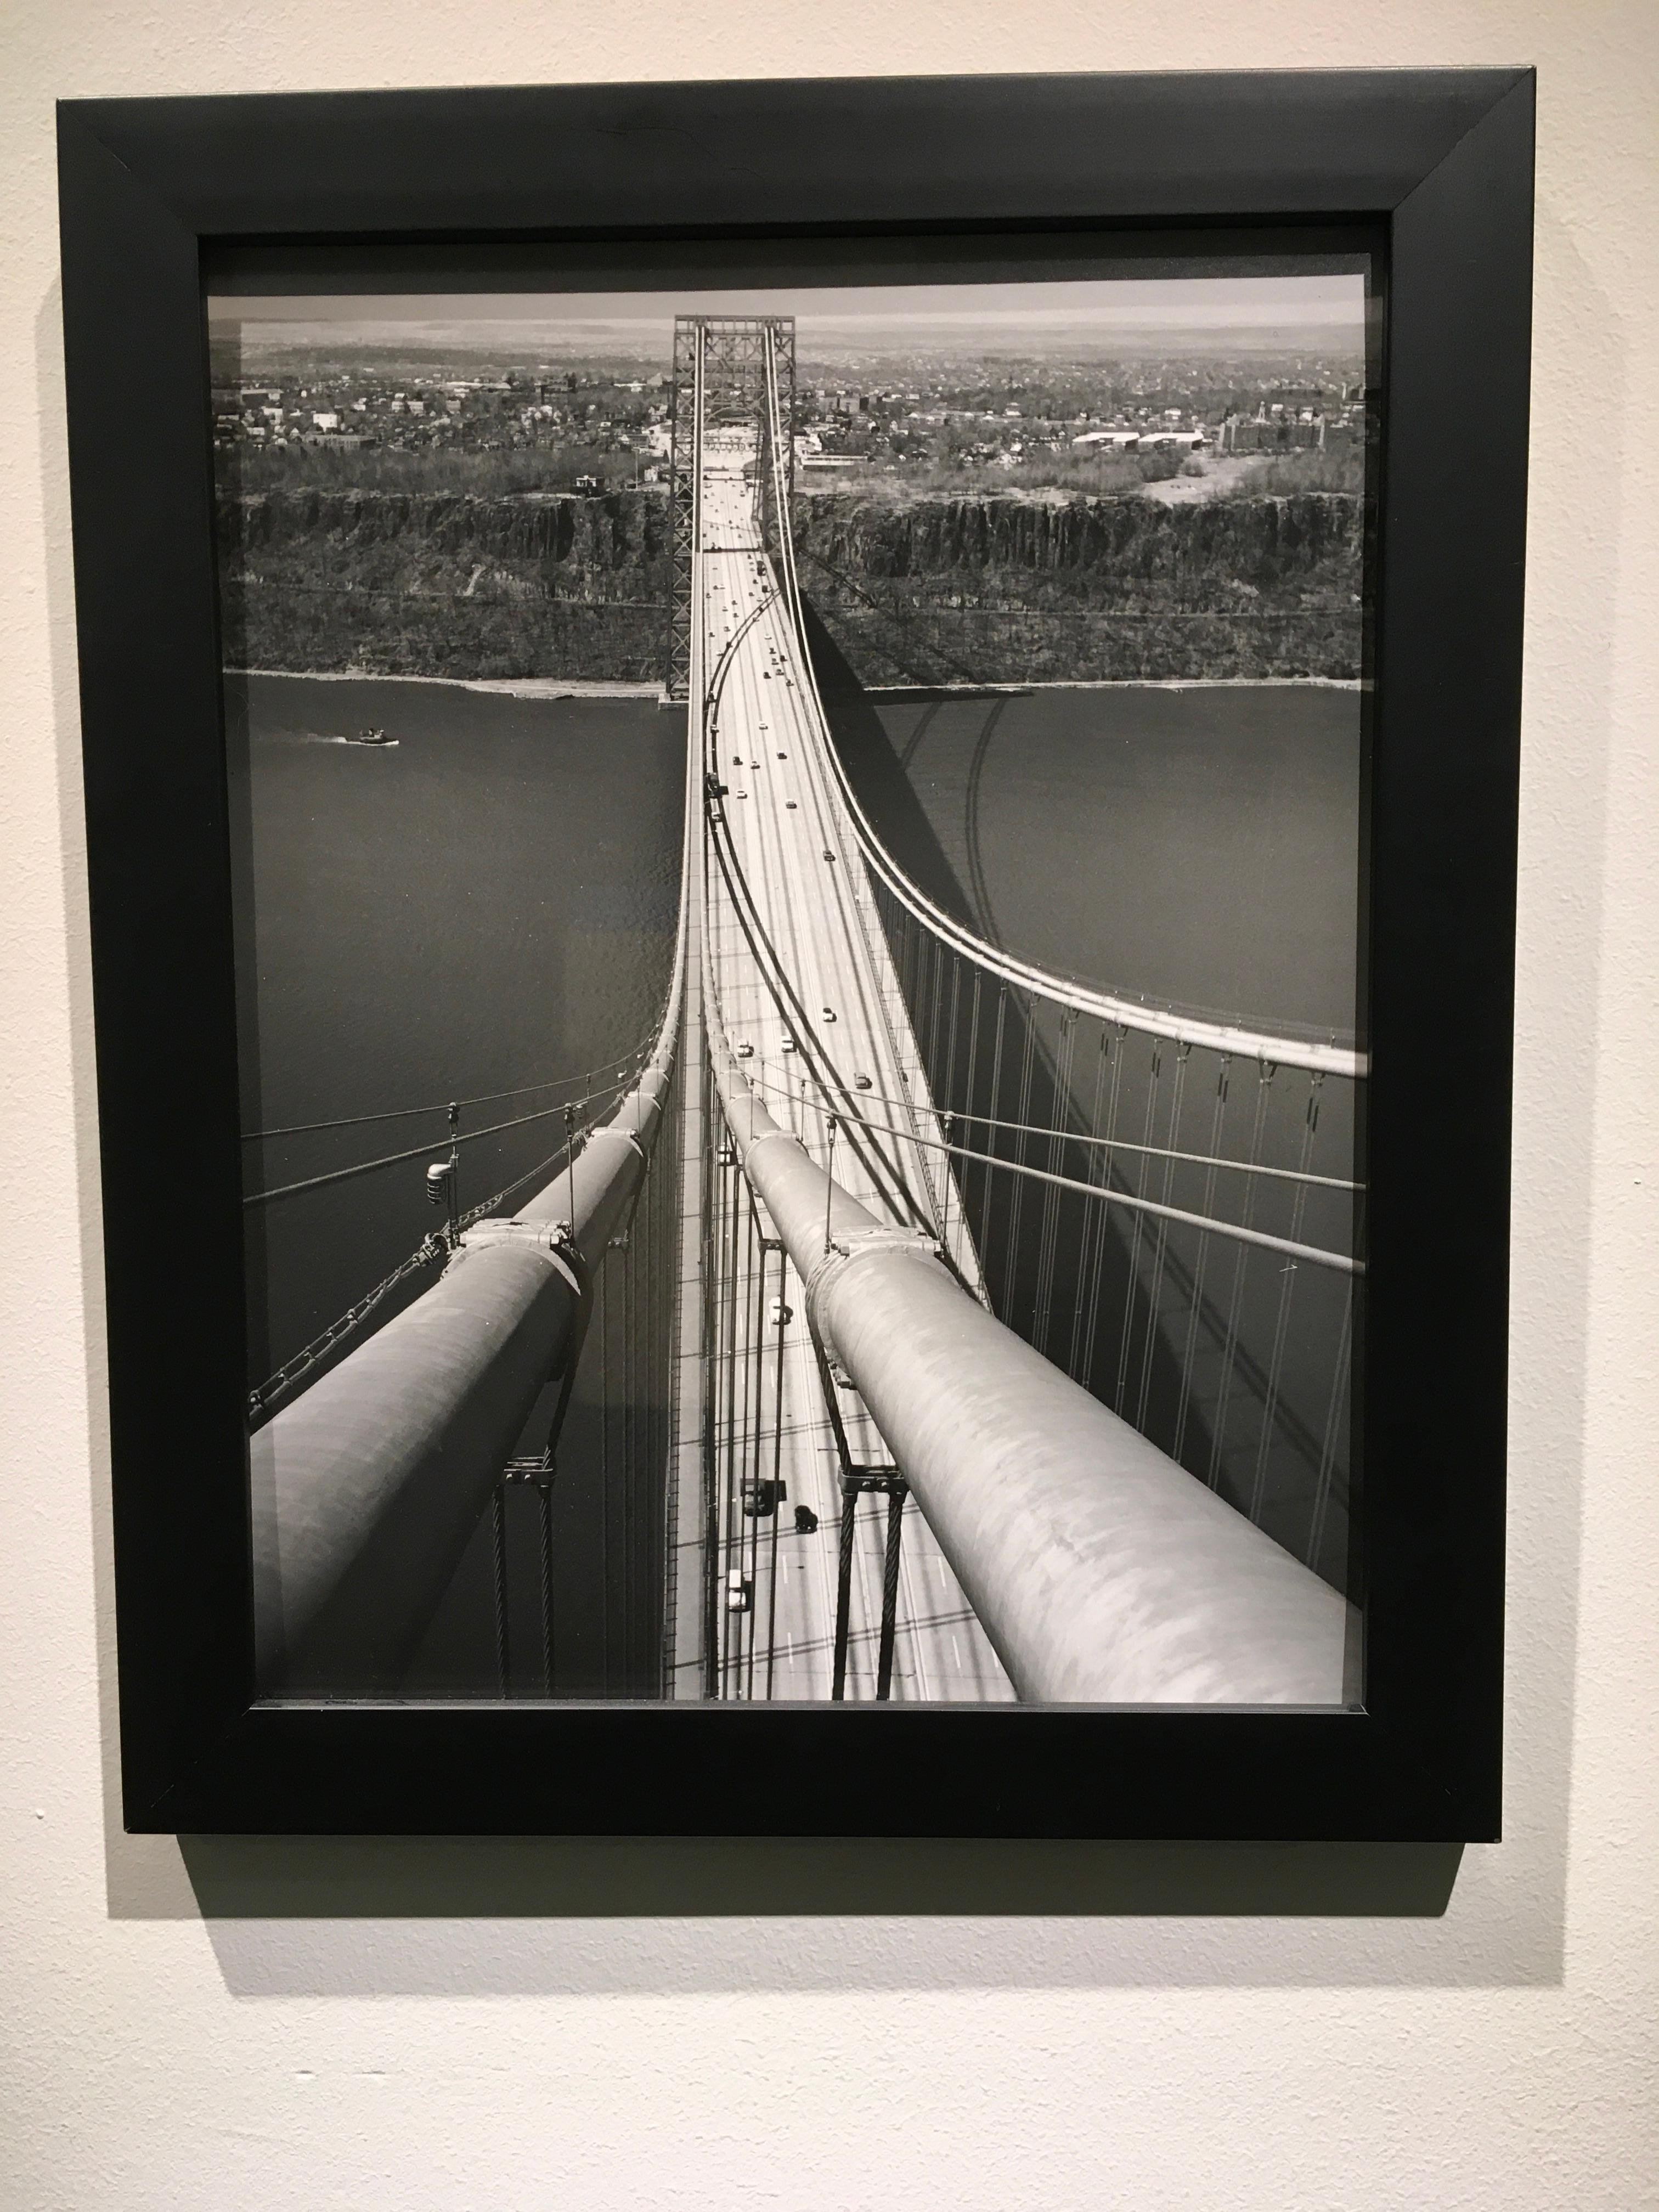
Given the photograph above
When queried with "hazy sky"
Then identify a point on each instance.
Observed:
(1093, 312)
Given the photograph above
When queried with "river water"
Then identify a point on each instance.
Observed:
(488, 904)
(1198, 846)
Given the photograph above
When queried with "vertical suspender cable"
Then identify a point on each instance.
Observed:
(708, 1456)
(890, 1575)
(605, 1480)
(777, 1471)
(544, 1505)
(849, 1501)
(1133, 1274)
(1161, 1240)
(498, 1560)
(1264, 1073)
(1286, 1288)
(757, 1361)
(1217, 1119)
(1091, 1245)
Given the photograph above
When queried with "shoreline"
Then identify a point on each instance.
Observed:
(898, 691)
(580, 687)
(520, 687)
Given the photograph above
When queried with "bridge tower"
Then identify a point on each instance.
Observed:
(733, 350)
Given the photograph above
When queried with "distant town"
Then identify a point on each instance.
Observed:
(601, 425)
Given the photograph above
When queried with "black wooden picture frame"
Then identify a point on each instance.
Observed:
(1441, 162)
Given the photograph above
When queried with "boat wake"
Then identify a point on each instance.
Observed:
(369, 740)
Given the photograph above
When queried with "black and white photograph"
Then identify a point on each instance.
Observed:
(800, 889)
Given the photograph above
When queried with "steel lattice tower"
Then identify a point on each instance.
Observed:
(734, 383)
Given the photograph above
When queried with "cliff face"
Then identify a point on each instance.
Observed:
(1005, 589)
(1095, 546)
(618, 532)
(433, 584)
(983, 588)
(1096, 550)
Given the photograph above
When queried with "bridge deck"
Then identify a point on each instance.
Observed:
(799, 974)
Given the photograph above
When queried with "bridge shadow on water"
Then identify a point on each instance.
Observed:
(1232, 1361)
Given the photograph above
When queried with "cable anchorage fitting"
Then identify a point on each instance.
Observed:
(849, 1243)
(879, 1482)
(844, 1246)
(555, 1238)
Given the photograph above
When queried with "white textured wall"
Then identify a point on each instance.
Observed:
(814, 2027)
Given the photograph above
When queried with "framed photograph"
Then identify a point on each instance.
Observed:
(801, 813)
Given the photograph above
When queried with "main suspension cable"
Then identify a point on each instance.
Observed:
(442, 1106)
(415, 1151)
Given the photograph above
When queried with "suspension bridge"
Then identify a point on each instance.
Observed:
(899, 1322)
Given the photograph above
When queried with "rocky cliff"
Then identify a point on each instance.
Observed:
(564, 541)
(986, 587)
(1097, 552)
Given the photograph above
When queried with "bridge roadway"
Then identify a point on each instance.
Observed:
(799, 976)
